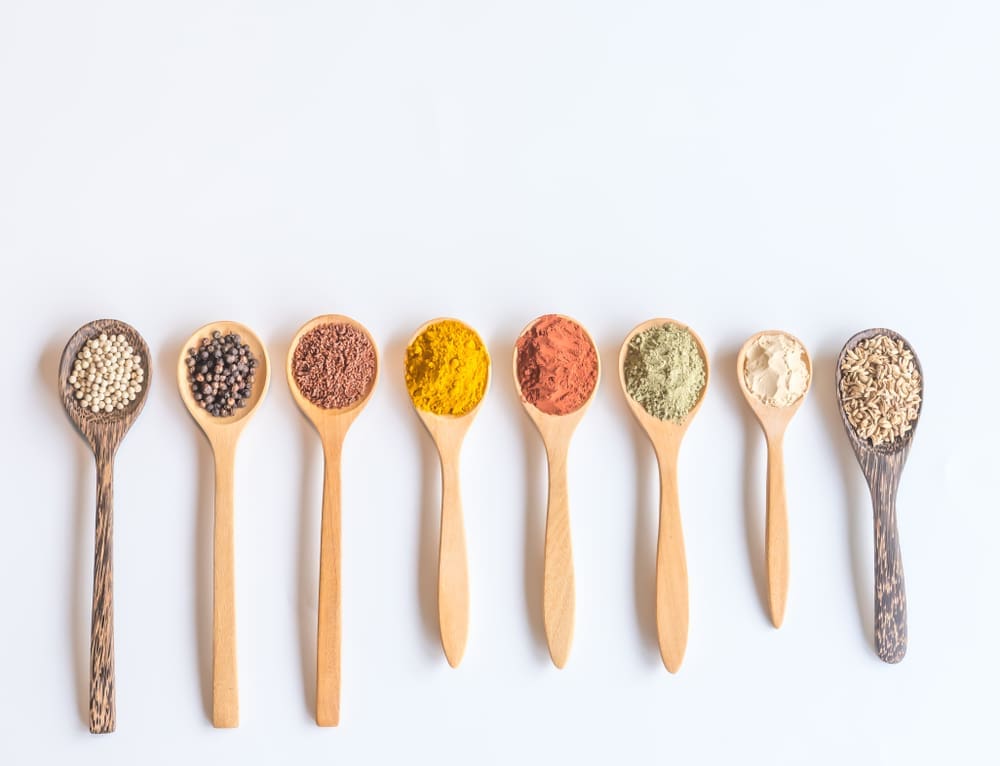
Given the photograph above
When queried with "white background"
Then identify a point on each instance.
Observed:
(815, 167)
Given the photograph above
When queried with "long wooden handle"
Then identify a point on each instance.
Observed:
(225, 694)
(671, 569)
(559, 594)
(453, 565)
(890, 588)
(102, 622)
(776, 533)
(328, 627)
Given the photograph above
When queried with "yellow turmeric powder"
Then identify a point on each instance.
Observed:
(447, 367)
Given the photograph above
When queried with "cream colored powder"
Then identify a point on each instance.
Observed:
(775, 369)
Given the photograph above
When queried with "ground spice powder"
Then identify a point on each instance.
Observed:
(334, 365)
(557, 365)
(775, 369)
(664, 371)
(447, 368)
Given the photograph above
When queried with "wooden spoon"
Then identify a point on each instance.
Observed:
(104, 433)
(559, 589)
(332, 425)
(223, 434)
(883, 467)
(448, 431)
(773, 421)
(671, 562)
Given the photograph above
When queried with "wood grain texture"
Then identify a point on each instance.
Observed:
(882, 467)
(453, 559)
(104, 433)
(332, 426)
(559, 590)
(774, 422)
(223, 435)
(672, 608)
(448, 433)
(776, 553)
(559, 579)
(672, 605)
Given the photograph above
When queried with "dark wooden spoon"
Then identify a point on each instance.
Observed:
(104, 432)
(882, 466)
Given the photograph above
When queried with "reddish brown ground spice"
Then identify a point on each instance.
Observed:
(556, 365)
(334, 365)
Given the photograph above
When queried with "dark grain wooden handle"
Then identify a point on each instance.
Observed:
(102, 634)
(890, 589)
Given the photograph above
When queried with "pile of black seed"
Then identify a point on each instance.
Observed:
(221, 372)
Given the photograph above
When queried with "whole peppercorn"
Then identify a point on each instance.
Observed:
(107, 374)
(221, 373)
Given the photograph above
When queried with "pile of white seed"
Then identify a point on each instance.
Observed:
(880, 389)
(107, 374)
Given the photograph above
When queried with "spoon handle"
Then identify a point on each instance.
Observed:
(102, 635)
(225, 696)
(328, 627)
(671, 568)
(776, 534)
(453, 564)
(559, 594)
(890, 588)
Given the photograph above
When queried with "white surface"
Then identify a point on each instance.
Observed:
(735, 165)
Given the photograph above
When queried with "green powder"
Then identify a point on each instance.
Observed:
(665, 372)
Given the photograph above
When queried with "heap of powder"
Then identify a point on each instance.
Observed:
(107, 374)
(665, 372)
(334, 365)
(447, 367)
(775, 369)
(880, 389)
(556, 365)
(221, 373)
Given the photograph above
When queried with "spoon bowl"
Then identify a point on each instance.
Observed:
(672, 612)
(882, 466)
(559, 581)
(448, 432)
(225, 428)
(104, 432)
(223, 433)
(331, 425)
(773, 421)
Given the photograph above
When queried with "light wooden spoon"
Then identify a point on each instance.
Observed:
(104, 433)
(223, 434)
(883, 467)
(448, 432)
(559, 582)
(332, 425)
(773, 421)
(671, 561)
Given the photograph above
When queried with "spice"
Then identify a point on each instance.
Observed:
(447, 367)
(665, 372)
(334, 365)
(221, 373)
(880, 389)
(107, 374)
(557, 365)
(775, 369)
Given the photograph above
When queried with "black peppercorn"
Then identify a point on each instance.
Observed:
(221, 373)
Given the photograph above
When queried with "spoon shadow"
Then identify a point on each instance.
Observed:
(203, 503)
(310, 508)
(429, 506)
(646, 515)
(753, 469)
(858, 521)
(535, 493)
(80, 541)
